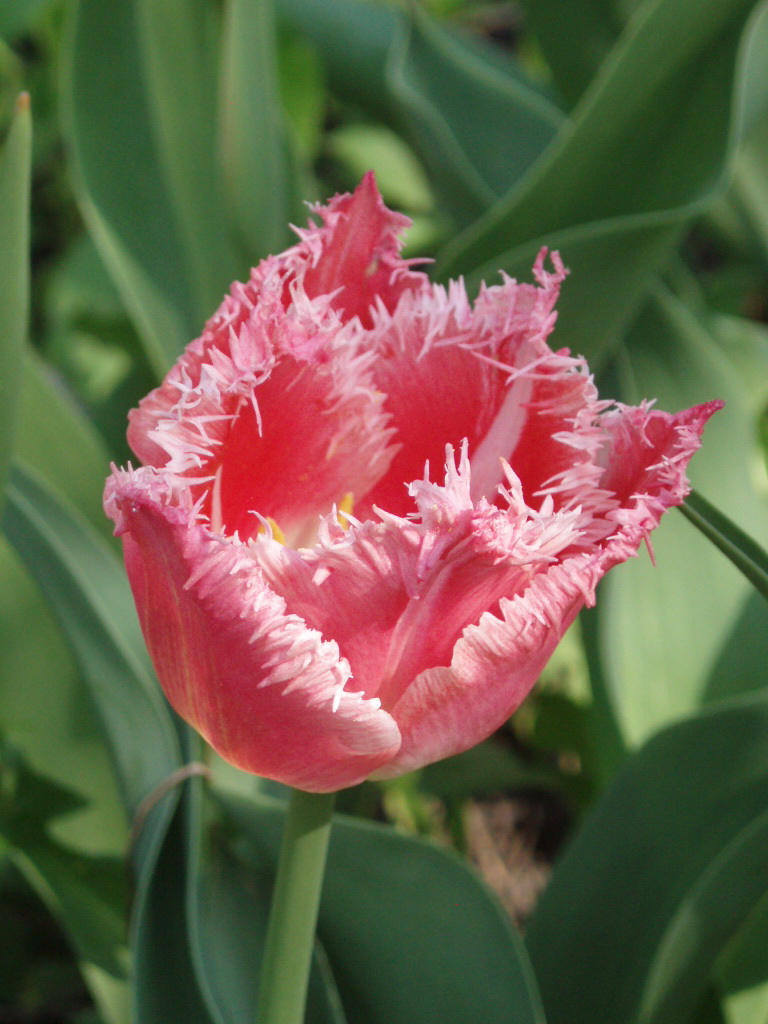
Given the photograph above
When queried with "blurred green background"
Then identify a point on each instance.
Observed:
(173, 142)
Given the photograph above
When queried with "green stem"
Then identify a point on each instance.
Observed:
(292, 920)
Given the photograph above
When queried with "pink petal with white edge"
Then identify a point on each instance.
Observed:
(274, 409)
(397, 595)
(265, 690)
(451, 372)
(495, 663)
(447, 710)
(335, 373)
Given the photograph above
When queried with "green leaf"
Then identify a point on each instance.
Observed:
(160, 938)
(575, 39)
(206, 912)
(742, 970)
(477, 127)
(50, 717)
(178, 54)
(253, 138)
(441, 949)
(489, 768)
(353, 39)
(671, 862)
(648, 149)
(18, 16)
(748, 557)
(662, 628)
(15, 161)
(59, 443)
(88, 592)
(118, 175)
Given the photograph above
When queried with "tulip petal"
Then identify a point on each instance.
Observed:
(397, 595)
(452, 372)
(359, 254)
(496, 662)
(264, 689)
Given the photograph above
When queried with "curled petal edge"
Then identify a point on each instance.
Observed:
(264, 689)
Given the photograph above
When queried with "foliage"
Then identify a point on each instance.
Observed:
(172, 145)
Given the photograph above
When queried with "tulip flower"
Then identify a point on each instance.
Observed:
(369, 509)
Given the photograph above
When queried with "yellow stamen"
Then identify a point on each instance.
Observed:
(346, 505)
(277, 533)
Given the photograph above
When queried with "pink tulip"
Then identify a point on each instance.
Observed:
(368, 511)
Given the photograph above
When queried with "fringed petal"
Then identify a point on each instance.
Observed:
(413, 622)
(494, 665)
(397, 595)
(264, 689)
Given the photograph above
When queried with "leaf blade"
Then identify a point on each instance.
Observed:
(15, 170)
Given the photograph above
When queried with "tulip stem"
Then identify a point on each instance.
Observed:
(295, 903)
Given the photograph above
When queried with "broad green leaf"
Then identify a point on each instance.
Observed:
(88, 592)
(59, 443)
(671, 862)
(453, 98)
(46, 713)
(662, 629)
(353, 38)
(165, 986)
(575, 39)
(254, 144)
(118, 174)
(748, 557)
(647, 150)
(15, 160)
(491, 767)
(477, 128)
(16, 17)
(49, 715)
(740, 664)
(178, 46)
(747, 1007)
(439, 950)
(748, 190)
(206, 913)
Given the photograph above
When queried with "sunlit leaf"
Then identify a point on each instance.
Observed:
(254, 144)
(118, 175)
(649, 147)
(663, 627)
